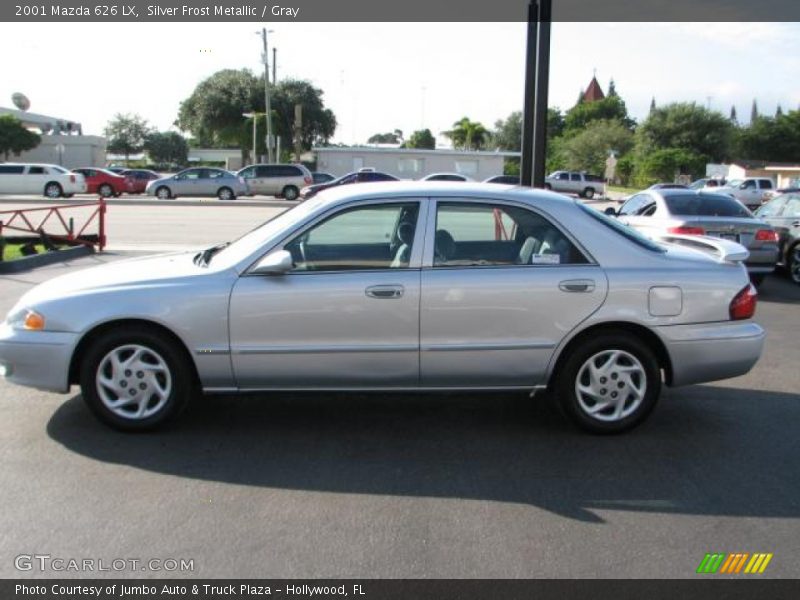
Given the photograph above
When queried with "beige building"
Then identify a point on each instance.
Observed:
(412, 163)
(63, 142)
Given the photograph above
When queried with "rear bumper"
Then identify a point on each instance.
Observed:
(712, 351)
(762, 260)
(38, 359)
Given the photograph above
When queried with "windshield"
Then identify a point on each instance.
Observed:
(256, 239)
(624, 230)
(58, 169)
(705, 205)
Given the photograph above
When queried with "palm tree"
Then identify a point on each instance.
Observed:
(468, 135)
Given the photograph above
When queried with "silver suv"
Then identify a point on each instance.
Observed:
(281, 181)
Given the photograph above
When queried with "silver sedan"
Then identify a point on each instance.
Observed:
(199, 181)
(402, 286)
(665, 213)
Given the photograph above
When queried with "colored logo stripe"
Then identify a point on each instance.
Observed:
(721, 562)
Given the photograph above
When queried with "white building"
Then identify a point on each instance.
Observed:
(412, 163)
(63, 142)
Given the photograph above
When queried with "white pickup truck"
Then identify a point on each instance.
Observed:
(750, 191)
(573, 182)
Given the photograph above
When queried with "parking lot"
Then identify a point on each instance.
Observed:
(358, 485)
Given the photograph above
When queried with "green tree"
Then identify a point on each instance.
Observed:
(422, 139)
(319, 123)
(507, 133)
(589, 149)
(754, 111)
(665, 163)
(608, 109)
(688, 126)
(773, 139)
(468, 135)
(213, 113)
(15, 138)
(127, 134)
(384, 138)
(167, 147)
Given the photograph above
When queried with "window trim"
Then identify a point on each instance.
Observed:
(430, 234)
(414, 262)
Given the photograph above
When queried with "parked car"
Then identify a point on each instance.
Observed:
(668, 186)
(407, 286)
(445, 177)
(52, 181)
(199, 181)
(136, 180)
(573, 182)
(103, 182)
(320, 177)
(117, 170)
(664, 213)
(366, 175)
(783, 213)
(751, 191)
(707, 184)
(281, 181)
(504, 179)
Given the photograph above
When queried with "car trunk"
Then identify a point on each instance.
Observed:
(736, 229)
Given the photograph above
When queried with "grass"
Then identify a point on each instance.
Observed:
(623, 190)
(13, 251)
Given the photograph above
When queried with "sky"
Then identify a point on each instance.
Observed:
(378, 77)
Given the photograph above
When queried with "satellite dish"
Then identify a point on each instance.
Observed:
(20, 101)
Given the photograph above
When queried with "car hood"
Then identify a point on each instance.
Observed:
(164, 269)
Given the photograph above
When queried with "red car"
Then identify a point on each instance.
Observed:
(100, 181)
(136, 180)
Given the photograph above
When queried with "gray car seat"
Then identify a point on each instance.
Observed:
(405, 233)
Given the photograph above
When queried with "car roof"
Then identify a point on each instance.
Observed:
(439, 189)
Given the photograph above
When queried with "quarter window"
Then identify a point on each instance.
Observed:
(36, 171)
(371, 237)
(475, 235)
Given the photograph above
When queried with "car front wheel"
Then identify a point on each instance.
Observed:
(793, 263)
(53, 190)
(226, 193)
(136, 379)
(163, 193)
(106, 191)
(610, 383)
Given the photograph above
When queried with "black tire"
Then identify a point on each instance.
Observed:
(588, 193)
(53, 190)
(547, 186)
(181, 376)
(574, 366)
(226, 193)
(163, 193)
(793, 263)
(106, 191)
(290, 193)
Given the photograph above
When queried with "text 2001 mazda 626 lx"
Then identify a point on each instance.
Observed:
(399, 286)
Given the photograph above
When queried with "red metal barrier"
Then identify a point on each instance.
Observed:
(18, 220)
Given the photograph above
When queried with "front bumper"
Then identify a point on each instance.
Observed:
(712, 351)
(38, 359)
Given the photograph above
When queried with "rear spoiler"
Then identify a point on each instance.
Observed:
(722, 250)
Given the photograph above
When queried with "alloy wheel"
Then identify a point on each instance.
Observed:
(611, 385)
(133, 381)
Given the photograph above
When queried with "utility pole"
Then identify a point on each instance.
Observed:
(274, 65)
(265, 60)
(537, 75)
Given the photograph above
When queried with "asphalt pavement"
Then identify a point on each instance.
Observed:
(362, 486)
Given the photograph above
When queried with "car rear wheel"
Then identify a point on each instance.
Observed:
(163, 193)
(290, 192)
(588, 193)
(609, 383)
(136, 379)
(226, 193)
(793, 263)
(547, 186)
(53, 190)
(106, 191)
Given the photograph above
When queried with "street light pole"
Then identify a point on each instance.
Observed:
(274, 65)
(254, 116)
(265, 60)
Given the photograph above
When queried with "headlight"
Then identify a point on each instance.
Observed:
(27, 319)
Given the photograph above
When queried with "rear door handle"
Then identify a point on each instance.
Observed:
(386, 292)
(576, 285)
(795, 223)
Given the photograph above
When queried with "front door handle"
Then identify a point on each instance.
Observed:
(386, 292)
(576, 285)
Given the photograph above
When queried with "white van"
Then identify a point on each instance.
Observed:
(48, 180)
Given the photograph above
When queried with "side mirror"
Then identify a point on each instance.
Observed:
(610, 211)
(274, 263)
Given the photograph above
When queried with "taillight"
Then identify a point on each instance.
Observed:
(743, 306)
(72, 178)
(687, 230)
(766, 235)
